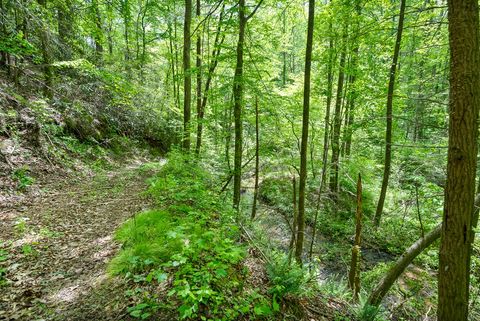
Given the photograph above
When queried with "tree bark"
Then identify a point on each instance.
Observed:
(305, 124)
(211, 69)
(354, 274)
(198, 66)
(187, 80)
(456, 236)
(323, 178)
(401, 264)
(388, 133)
(47, 59)
(238, 104)
(257, 161)
(337, 123)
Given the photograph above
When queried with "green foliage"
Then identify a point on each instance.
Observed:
(286, 278)
(190, 241)
(22, 177)
(16, 45)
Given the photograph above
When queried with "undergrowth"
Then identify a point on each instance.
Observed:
(189, 246)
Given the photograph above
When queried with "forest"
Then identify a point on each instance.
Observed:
(239, 160)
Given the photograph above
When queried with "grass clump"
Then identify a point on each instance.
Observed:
(189, 244)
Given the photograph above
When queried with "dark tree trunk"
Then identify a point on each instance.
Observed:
(198, 66)
(187, 83)
(388, 133)
(257, 161)
(305, 124)
(238, 104)
(47, 59)
(456, 236)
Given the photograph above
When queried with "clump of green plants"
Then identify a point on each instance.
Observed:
(286, 277)
(22, 177)
(190, 242)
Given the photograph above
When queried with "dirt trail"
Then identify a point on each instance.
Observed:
(54, 251)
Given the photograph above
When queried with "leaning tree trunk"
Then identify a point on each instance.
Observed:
(187, 80)
(388, 133)
(453, 277)
(304, 143)
(407, 257)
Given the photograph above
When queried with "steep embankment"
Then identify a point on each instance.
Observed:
(54, 246)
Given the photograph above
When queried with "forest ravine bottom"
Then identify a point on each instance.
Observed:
(57, 243)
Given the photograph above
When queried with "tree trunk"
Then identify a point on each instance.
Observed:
(213, 64)
(257, 161)
(401, 264)
(238, 104)
(323, 178)
(388, 133)
(187, 82)
(456, 236)
(354, 275)
(65, 28)
(337, 123)
(305, 124)
(47, 59)
(198, 66)
(98, 34)
(295, 218)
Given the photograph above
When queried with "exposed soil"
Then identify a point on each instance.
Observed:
(55, 245)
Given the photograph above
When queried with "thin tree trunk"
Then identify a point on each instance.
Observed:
(187, 83)
(388, 133)
(47, 59)
(456, 236)
(238, 104)
(337, 123)
(354, 275)
(173, 63)
(198, 66)
(295, 218)
(305, 124)
(215, 54)
(323, 178)
(257, 161)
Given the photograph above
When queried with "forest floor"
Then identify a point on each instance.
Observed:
(56, 242)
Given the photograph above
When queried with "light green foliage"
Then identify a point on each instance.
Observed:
(192, 242)
(16, 45)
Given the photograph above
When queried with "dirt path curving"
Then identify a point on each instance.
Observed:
(54, 251)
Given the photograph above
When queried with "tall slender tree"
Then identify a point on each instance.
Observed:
(388, 132)
(198, 66)
(305, 124)
(238, 99)
(456, 234)
(187, 80)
